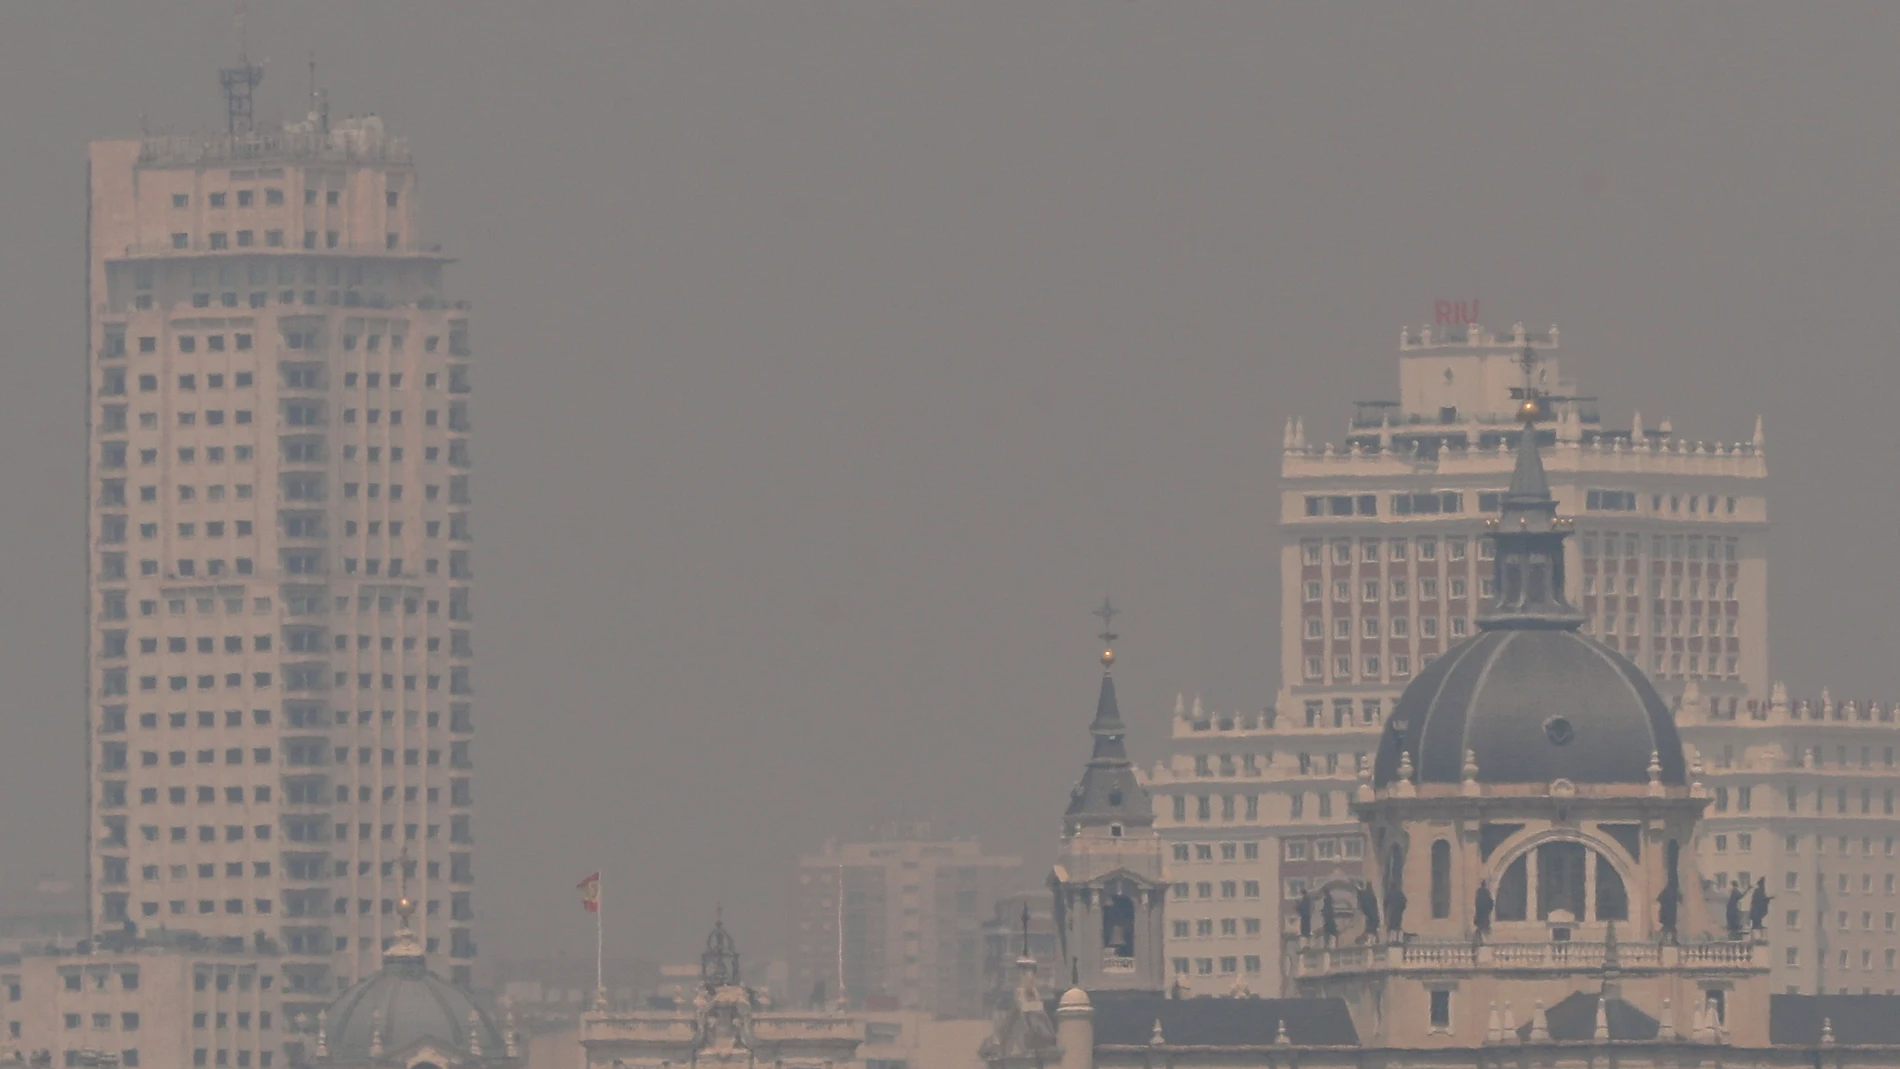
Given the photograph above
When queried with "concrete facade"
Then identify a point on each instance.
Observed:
(279, 665)
(907, 930)
(151, 1005)
(1802, 793)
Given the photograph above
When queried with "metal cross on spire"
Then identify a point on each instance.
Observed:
(1107, 612)
(1530, 407)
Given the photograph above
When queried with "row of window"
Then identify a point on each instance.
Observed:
(1371, 664)
(460, 832)
(129, 1021)
(1228, 966)
(1229, 889)
(1374, 627)
(1372, 711)
(1663, 626)
(1204, 806)
(1674, 666)
(296, 753)
(296, 525)
(296, 414)
(113, 682)
(1205, 851)
(366, 755)
(1719, 589)
(112, 455)
(273, 197)
(1230, 928)
(241, 341)
(113, 759)
(112, 644)
(1395, 549)
(112, 793)
(1436, 502)
(1843, 802)
(1626, 501)
(1425, 548)
(1793, 957)
(1661, 547)
(112, 605)
(218, 240)
(1350, 848)
(1372, 591)
(1250, 765)
(112, 719)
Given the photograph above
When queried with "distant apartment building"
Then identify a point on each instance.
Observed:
(280, 654)
(896, 922)
(1802, 794)
(1382, 566)
(151, 1004)
(1004, 937)
(1254, 811)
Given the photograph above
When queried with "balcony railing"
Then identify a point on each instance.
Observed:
(1553, 956)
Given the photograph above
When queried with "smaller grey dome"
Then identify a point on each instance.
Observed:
(406, 1003)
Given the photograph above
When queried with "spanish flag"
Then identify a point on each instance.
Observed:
(590, 893)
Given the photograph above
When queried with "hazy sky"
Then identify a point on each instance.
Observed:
(834, 359)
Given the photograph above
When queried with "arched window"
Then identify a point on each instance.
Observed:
(1536, 589)
(1441, 879)
(1563, 878)
(1118, 926)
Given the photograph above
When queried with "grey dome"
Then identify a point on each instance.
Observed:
(1534, 705)
(409, 1004)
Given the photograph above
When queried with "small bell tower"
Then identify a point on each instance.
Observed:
(1108, 885)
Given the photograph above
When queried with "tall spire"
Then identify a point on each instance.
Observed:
(1529, 573)
(1107, 727)
(1109, 793)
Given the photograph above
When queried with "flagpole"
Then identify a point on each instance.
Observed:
(600, 946)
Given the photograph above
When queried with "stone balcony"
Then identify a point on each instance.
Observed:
(1553, 957)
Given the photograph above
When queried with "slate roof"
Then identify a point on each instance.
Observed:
(1575, 1018)
(1499, 694)
(1127, 1018)
(1109, 793)
(1795, 1020)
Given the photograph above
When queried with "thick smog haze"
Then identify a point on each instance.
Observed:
(834, 360)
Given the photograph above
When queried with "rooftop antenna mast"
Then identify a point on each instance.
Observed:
(239, 83)
(319, 101)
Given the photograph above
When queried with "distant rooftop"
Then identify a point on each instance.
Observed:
(358, 140)
(1474, 336)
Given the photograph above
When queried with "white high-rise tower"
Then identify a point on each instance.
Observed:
(280, 703)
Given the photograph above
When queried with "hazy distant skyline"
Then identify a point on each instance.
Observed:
(834, 359)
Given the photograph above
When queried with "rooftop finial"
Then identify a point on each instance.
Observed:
(1108, 612)
(1530, 408)
(405, 947)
